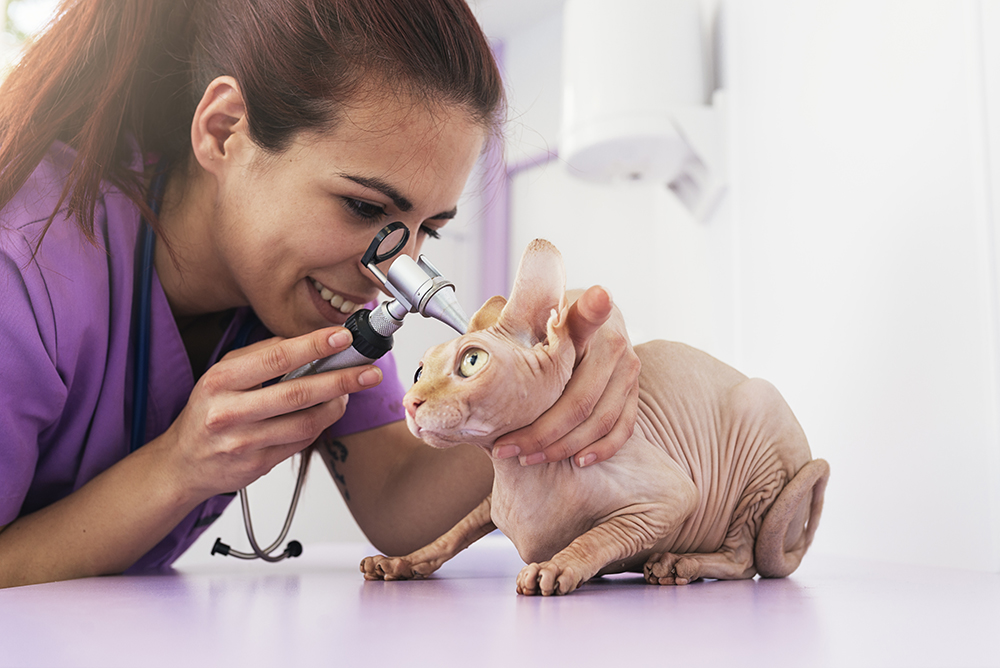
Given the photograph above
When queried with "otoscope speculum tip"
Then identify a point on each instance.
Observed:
(443, 305)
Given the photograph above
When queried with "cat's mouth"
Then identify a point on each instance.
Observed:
(443, 437)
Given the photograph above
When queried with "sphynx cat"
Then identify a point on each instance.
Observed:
(716, 481)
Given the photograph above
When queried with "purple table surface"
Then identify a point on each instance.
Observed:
(318, 611)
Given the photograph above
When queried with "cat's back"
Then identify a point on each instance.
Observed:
(682, 392)
(695, 404)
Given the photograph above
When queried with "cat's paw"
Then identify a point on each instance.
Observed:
(671, 569)
(389, 568)
(547, 579)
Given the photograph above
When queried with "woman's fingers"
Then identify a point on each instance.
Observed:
(281, 437)
(233, 427)
(553, 429)
(587, 315)
(290, 397)
(599, 424)
(597, 410)
(603, 447)
(256, 364)
(594, 415)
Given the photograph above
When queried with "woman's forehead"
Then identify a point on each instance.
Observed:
(407, 152)
(395, 131)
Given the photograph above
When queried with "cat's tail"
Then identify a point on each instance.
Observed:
(791, 522)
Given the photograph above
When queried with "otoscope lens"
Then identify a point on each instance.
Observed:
(387, 243)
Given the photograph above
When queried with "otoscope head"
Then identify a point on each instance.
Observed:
(416, 285)
(422, 289)
(444, 306)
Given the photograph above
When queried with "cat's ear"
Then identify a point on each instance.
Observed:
(488, 314)
(539, 287)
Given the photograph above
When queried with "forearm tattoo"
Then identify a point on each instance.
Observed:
(336, 453)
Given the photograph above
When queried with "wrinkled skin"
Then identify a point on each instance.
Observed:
(716, 481)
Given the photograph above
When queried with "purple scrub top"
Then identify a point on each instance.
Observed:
(66, 355)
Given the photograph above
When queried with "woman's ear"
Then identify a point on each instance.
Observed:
(538, 289)
(219, 124)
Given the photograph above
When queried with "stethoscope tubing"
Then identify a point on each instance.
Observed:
(140, 395)
(265, 554)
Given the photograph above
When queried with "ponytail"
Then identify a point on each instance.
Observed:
(105, 73)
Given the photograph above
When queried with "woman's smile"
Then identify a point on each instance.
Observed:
(332, 306)
(338, 302)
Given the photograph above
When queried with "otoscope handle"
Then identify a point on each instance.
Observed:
(372, 331)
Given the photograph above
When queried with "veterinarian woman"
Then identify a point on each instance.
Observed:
(273, 138)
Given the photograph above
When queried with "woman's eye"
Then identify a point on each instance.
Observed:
(364, 210)
(416, 376)
(430, 232)
(472, 361)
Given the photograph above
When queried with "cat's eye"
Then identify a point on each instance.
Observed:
(473, 360)
(416, 376)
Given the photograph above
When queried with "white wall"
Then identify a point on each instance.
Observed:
(853, 262)
(863, 168)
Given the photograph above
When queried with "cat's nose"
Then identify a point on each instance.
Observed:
(411, 403)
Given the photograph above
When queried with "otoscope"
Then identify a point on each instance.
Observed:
(416, 287)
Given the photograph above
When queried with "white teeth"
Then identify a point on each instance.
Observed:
(336, 301)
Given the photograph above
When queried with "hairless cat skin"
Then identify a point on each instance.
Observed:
(717, 480)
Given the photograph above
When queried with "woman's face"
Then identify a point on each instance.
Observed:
(290, 229)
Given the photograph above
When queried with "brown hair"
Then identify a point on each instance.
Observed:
(108, 72)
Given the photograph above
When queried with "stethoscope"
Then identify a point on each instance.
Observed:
(417, 287)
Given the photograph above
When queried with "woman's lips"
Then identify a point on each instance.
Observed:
(336, 315)
(338, 302)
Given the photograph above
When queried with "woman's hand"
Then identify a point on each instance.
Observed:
(596, 413)
(233, 430)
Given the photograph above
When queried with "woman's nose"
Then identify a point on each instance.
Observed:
(412, 247)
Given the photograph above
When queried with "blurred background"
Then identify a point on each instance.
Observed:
(809, 192)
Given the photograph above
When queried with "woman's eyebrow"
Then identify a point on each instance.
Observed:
(390, 191)
(446, 215)
(386, 189)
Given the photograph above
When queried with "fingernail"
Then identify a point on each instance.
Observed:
(370, 376)
(587, 460)
(340, 339)
(505, 451)
(536, 458)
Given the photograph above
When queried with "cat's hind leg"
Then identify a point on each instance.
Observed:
(733, 561)
(428, 559)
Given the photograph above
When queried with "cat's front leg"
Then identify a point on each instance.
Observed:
(617, 540)
(428, 559)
